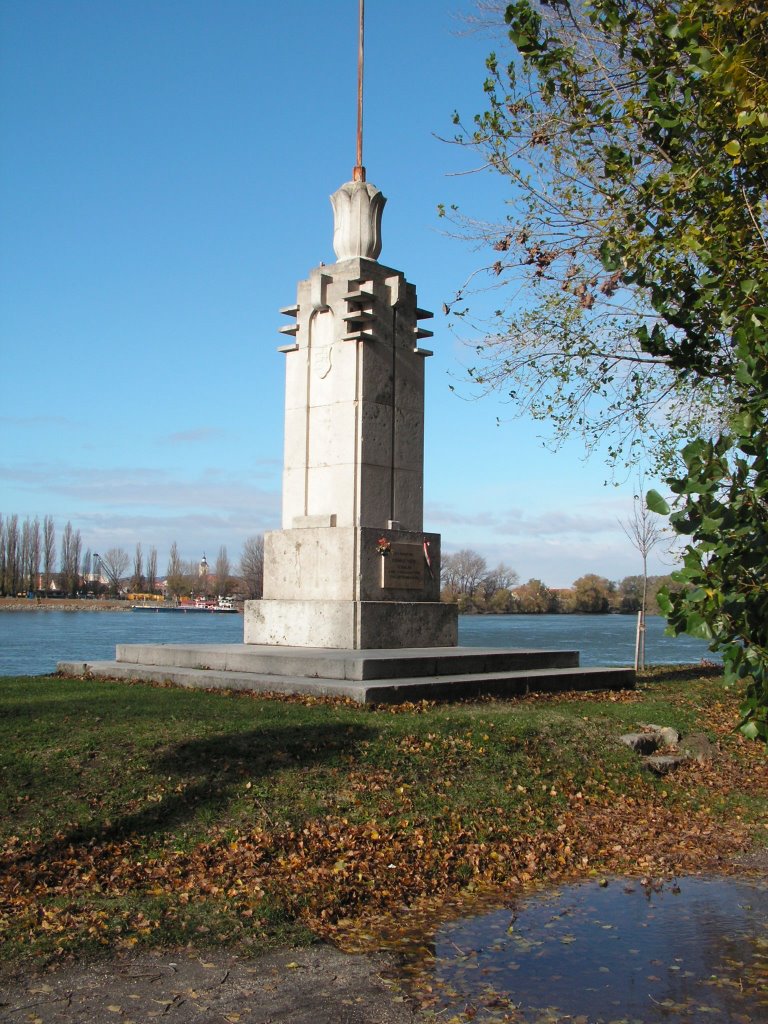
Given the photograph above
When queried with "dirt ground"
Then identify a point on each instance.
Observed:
(319, 985)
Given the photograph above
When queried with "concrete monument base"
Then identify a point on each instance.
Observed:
(370, 676)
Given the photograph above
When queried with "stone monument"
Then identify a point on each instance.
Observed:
(352, 567)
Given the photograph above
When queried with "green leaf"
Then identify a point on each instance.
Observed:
(696, 625)
(655, 503)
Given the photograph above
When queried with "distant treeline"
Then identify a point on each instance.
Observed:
(467, 580)
(33, 562)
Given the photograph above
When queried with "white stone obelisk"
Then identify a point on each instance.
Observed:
(352, 568)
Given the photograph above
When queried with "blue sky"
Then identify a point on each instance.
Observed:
(163, 186)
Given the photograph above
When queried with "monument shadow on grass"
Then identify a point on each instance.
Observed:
(212, 771)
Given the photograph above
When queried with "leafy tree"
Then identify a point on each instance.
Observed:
(534, 598)
(502, 601)
(663, 113)
(630, 594)
(724, 514)
(616, 196)
(593, 593)
(660, 587)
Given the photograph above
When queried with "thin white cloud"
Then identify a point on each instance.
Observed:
(193, 533)
(514, 522)
(558, 524)
(447, 515)
(142, 487)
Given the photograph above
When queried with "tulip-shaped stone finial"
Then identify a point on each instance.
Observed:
(357, 208)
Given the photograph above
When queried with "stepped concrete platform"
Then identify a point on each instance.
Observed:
(367, 676)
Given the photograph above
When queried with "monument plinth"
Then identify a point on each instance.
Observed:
(351, 567)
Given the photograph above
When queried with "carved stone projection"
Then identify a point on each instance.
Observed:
(357, 209)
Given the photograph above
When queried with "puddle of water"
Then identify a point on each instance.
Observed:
(695, 950)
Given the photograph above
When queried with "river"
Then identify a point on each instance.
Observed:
(32, 642)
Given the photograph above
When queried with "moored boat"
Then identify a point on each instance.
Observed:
(223, 605)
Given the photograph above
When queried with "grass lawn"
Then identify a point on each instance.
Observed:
(134, 815)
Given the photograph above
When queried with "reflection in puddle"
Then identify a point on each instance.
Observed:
(626, 952)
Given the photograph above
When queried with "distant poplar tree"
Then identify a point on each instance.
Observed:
(252, 566)
(137, 580)
(49, 551)
(223, 573)
(175, 581)
(2, 555)
(86, 568)
(24, 557)
(71, 545)
(30, 536)
(12, 574)
(151, 574)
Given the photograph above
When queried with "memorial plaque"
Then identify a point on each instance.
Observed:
(403, 568)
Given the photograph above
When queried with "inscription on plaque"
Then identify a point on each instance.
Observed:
(403, 568)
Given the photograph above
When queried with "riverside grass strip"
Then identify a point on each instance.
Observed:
(138, 815)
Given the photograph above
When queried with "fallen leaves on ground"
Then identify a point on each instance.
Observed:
(348, 880)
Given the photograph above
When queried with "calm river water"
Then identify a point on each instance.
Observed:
(31, 642)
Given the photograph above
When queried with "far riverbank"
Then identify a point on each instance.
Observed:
(59, 604)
